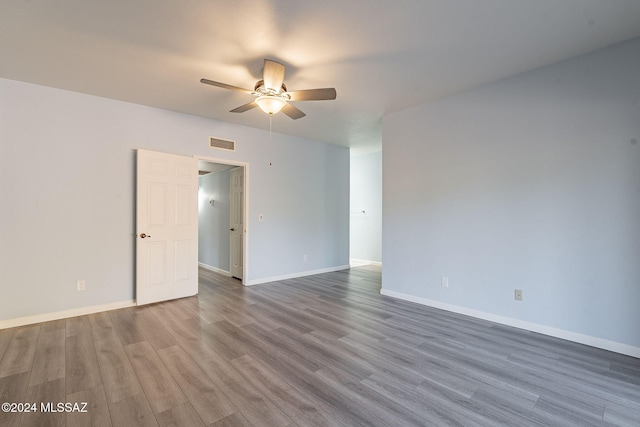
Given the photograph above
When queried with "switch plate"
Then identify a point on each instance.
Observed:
(445, 282)
(304, 257)
(261, 217)
(518, 294)
(81, 285)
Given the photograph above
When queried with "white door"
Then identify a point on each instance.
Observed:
(167, 227)
(236, 222)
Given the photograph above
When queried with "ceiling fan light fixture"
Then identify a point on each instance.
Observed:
(270, 104)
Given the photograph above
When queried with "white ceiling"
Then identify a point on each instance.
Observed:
(381, 55)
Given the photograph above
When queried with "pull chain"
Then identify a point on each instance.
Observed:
(270, 118)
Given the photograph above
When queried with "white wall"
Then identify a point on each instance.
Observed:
(213, 220)
(366, 195)
(532, 183)
(67, 181)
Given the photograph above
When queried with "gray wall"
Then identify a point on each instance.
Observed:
(67, 179)
(532, 183)
(366, 194)
(213, 220)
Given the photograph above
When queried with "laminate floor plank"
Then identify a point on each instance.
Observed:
(434, 410)
(102, 327)
(155, 333)
(19, 354)
(206, 398)
(180, 416)
(323, 394)
(560, 387)
(53, 325)
(281, 314)
(13, 389)
(237, 314)
(374, 408)
(286, 397)
(404, 397)
(82, 368)
(201, 309)
(378, 362)
(260, 317)
(271, 341)
(127, 325)
(97, 409)
(132, 411)
(223, 337)
(157, 382)
(452, 407)
(510, 411)
(280, 319)
(533, 380)
(179, 310)
(256, 407)
(48, 393)
(584, 416)
(625, 414)
(374, 327)
(49, 361)
(295, 369)
(234, 420)
(328, 354)
(118, 376)
(175, 324)
(5, 338)
(77, 325)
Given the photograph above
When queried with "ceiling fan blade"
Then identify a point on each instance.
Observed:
(245, 107)
(273, 75)
(293, 112)
(225, 86)
(313, 94)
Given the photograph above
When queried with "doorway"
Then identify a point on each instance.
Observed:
(221, 217)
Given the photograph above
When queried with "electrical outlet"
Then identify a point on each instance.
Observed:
(304, 257)
(445, 282)
(81, 285)
(518, 294)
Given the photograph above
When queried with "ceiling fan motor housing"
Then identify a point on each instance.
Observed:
(261, 90)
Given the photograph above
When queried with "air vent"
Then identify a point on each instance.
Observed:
(222, 144)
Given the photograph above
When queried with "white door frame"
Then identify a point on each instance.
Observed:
(245, 207)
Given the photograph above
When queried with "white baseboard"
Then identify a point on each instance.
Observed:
(214, 269)
(355, 262)
(46, 317)
(614, 346)
(295, 275)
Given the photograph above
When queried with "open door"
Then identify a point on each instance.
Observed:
(167, 227)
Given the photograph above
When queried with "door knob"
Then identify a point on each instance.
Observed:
(142, 235)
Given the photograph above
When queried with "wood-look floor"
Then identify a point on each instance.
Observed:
(320, 350)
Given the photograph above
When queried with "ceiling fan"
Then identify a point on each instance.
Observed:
(272, 95)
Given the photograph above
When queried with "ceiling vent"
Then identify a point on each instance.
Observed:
(222, 144)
